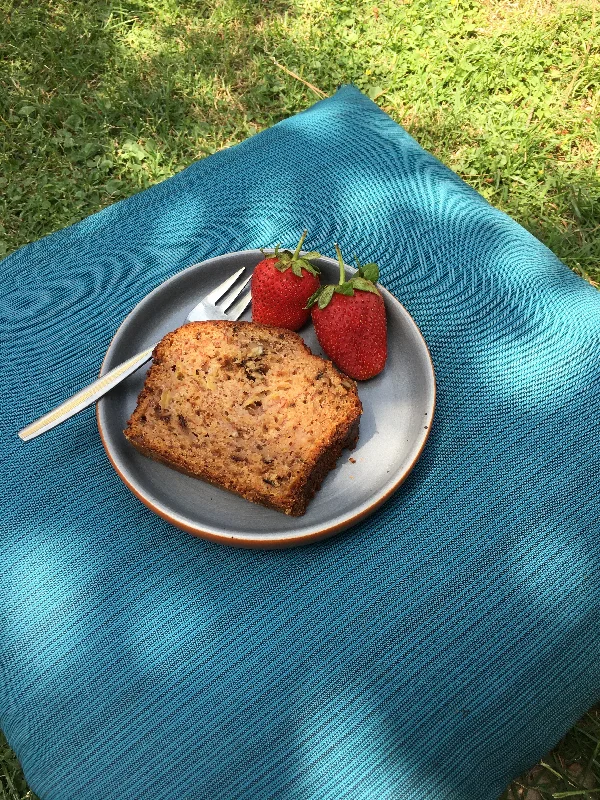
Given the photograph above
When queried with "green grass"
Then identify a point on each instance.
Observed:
(13, 785)
(99, 100)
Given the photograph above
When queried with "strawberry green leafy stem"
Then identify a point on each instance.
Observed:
(286, 259)
(364, 280)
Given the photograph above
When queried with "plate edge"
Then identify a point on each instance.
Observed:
(250, 541)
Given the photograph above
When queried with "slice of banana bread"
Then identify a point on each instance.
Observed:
(248, 408)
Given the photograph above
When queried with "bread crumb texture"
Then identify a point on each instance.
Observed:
(248, 408)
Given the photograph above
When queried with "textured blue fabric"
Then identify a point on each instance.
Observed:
(435, 650)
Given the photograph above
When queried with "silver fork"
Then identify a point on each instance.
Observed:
(205, 310)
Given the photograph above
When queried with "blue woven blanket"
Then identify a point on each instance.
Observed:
(433, 651)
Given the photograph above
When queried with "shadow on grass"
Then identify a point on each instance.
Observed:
(101, 102)
(106, 101)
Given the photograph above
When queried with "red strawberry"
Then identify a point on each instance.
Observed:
(281, 285)
(350, 322)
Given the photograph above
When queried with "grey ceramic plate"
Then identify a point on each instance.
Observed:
(398, 408)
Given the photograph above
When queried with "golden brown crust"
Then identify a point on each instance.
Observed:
(345, 439)
(246, 407)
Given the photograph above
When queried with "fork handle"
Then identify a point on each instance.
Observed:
(85, 397)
